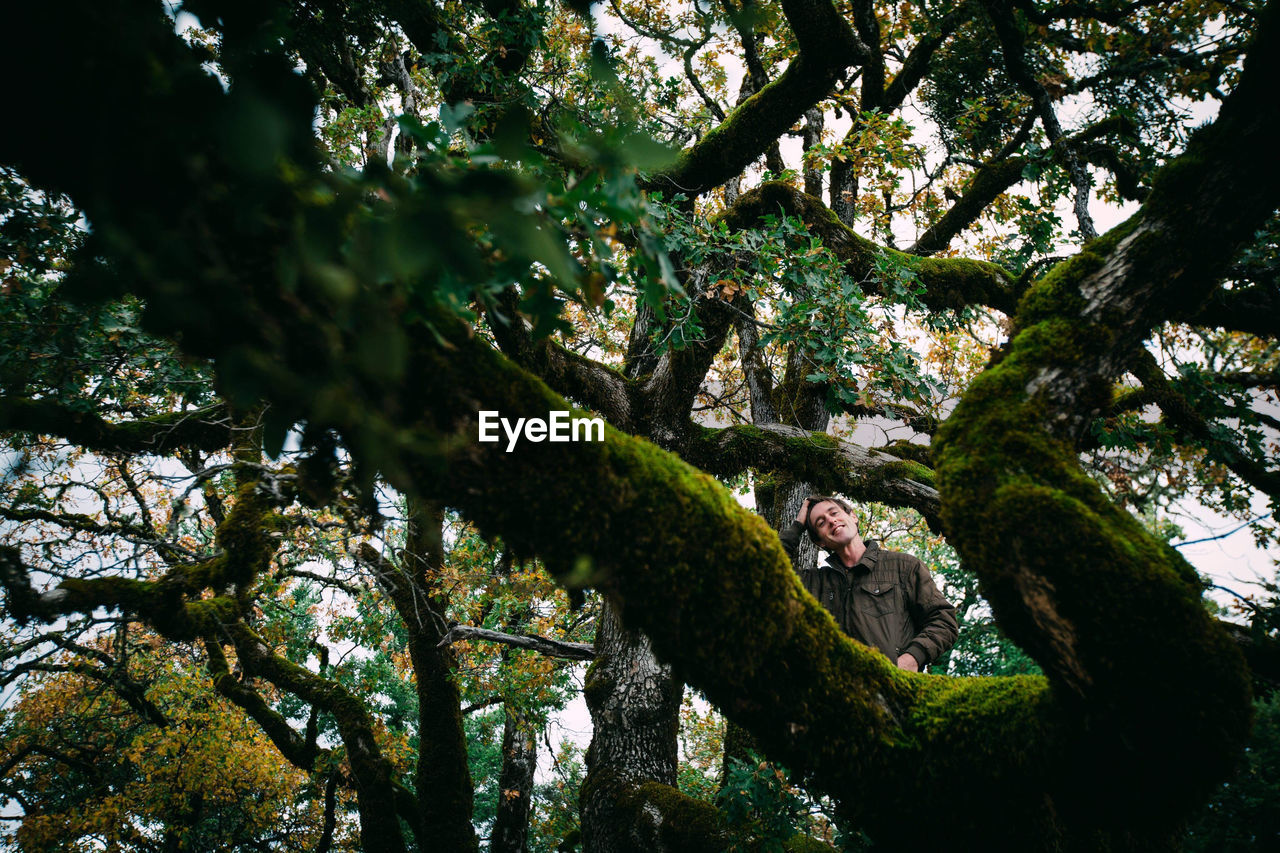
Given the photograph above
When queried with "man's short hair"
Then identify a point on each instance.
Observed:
(814, 500)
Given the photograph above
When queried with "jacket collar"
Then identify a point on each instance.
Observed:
(868, 561)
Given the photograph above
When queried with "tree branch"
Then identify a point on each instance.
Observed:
(815, 457)
(1190, 424)
(916, 65)
(759, 379)
(577, 377)
(209, 428)
(665, 397)
(1016, 502)
(443, 791)
(87, 524)
(170, 603)
(1254, 310)
(948, 283)
(992, 179)
(1012, 39)
(541, 645)
(826, 47)
(376, 788)
(300, 751)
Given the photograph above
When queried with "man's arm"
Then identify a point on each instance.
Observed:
(790, 536)
(934, 616)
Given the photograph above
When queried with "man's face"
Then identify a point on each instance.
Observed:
(834, 527)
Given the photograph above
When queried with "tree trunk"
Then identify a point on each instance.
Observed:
(812, 135)
(634, 703)
(443, 778)
(778, 498)
(844, 192)
(515, 784)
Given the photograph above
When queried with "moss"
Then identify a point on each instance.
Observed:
(957, 283)
(805, 844)
(906, 470)
(1080, 585)
(597, 685)
(1057, 341)
(904, 449)
(688, 825)
(203, 429)
(207, 615)
(949, 283)
(86, 595)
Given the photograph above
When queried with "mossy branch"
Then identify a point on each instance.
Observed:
(299, 750)
(443, 779)
(171, 603)
(748, 636)
(671, 820)
(994, 178)
(205, 429)
(1074, 579)
(829, 464)
(1253, 309)
(918, 60)
(827, 46)
(583, 380)
(162, 603)
(377, 798)
(949, 283)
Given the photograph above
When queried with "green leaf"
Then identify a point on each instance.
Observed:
(454, 118)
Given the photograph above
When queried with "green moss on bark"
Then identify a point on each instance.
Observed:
(686, 825)
(949, 283)
(710, 582)
(1104, 608)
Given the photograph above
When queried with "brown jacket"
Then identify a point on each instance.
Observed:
(887, 601)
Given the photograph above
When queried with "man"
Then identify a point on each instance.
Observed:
(885, 599)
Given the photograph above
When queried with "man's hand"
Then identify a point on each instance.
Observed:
(804, 511)
(908, 662)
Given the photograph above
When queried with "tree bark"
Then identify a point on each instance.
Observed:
(778, 495)
(442, 778)
(634, 703)
(515, 784)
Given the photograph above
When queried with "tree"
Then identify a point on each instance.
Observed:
(372, 290)
(142, 752)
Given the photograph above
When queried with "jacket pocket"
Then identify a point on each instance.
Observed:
(877, 599)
